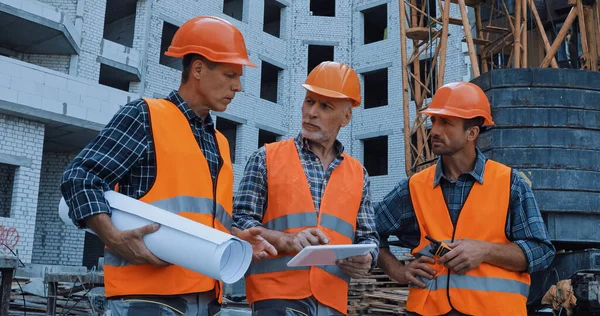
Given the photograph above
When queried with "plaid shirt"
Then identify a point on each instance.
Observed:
(123, 152)
(525, 227)
(250, 202)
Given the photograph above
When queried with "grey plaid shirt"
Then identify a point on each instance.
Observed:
(250, 202)
(123, 152)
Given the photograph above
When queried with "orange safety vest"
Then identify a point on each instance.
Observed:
(488, 289)
(183, 185)
(291, 209)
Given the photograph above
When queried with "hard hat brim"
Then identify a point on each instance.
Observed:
(230, 60)
(454, 113)
(329, 93)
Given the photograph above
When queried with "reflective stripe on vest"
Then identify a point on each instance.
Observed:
(197, 205)
(468, 282)
(486, 289)
(299, 220)
(184, 186)
(279, 264)
(291, 209)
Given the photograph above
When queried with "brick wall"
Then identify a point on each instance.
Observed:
(91, 39)
(68, 7)
(55, 242)
(58, 63)
(23, 139)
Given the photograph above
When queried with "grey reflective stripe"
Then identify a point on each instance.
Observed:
(335, 270)
(488, 284)
(337, 224)
(280, 264)
(272, 265)
(469, 282)
(111, 259)
(194, 205)
(223, 217)
(289, 221)
(307, 219)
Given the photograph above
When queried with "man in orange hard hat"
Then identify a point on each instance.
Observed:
(166, 152)
(483, 210)
(307, 191)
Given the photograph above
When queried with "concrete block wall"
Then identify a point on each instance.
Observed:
(41, 88)
(385, 120)
(68, 7)
(91, 39)
(23, 140)
(55, 242)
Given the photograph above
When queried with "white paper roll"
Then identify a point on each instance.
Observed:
(179, 240)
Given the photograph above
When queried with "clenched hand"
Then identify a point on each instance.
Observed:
(466, 255)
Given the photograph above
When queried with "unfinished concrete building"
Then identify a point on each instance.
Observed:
(67, 65)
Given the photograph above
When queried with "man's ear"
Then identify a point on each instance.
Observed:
(473, 133)
(196, 69)
(347, 115)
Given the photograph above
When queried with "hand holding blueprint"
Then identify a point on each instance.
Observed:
(328, 254)
(179, 240)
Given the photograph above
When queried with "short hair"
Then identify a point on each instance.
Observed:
(476, 121)
(187, 62)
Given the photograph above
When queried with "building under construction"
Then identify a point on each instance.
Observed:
(67, 66)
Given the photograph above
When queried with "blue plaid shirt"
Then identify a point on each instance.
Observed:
(123, 152)
(250, 202)
(525, 227)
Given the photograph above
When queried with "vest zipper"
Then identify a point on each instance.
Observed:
(453, 235)
(216, 181)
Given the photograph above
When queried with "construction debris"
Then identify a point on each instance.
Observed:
(30, 296)
(378, 294)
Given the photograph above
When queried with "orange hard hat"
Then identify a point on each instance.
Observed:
(460, 99)
(334, 80)
(214, 38)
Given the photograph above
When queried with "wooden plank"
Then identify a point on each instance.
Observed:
(583, 34)
(593, 36)
(524, 34)
(479, 28)
(405, 100)
(418, 33)
(423, 13)
(478, 41)
(517, 34)
(455, 21)
(496, 29)
(559, 38)
(471, 46)
(542, 32)
(470, 3)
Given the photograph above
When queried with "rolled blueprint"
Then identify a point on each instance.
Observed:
(179, 240)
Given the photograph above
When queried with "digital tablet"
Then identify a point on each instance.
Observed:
(328, 254)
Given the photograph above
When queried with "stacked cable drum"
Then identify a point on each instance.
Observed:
(547, 125)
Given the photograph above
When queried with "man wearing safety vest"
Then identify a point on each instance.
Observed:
(484, 210)
(166, 152)
(307, 191)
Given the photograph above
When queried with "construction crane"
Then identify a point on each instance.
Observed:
(501, 32)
